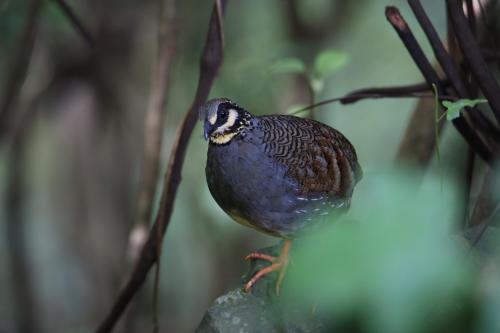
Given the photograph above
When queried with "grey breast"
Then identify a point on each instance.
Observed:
(251, 187)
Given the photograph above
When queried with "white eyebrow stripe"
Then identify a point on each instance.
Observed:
(231, 120)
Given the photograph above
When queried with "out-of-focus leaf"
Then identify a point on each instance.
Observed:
(317, 85)
(328, 62)
(392, 261)
(453, 108)
(288, 65)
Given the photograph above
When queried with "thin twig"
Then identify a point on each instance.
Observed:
(472, 53)
(19, 65)
(220, 18)
(153, 134)
(211, 60)
(355, 97)
(393, 91)
(153, 127)
(420, 138)
(77, 23)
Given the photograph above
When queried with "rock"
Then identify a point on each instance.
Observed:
(258, 311)
(237, 311)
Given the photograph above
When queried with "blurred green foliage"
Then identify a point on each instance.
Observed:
(325, 64)
(391, 261)
(288, 66)
(83, 169)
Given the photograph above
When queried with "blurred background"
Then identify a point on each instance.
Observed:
(68, 194)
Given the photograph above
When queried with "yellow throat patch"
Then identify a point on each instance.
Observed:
(221, 139)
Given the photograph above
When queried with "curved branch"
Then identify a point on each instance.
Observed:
(156, 112)
(211, 60)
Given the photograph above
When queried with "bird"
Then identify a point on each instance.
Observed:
(278, 174)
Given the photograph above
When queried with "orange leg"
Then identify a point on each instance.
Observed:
(262, 256)
(278, 264)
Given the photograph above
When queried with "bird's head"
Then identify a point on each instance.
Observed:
(223, 120)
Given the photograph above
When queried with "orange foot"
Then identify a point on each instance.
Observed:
(277, 264)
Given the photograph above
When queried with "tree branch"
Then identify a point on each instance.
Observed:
(155, 114)
(410, 90)
(211, 60)
(419, 139)
(77, 23)
(374, 93)
(473, 116)
(472, 53)
(404, 32)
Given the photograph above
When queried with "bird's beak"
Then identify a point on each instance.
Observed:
(207, 130)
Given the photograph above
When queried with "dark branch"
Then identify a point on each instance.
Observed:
(477, 118)
(211, 60)
(471, 16)
(407, 90)
(442, 56)
(430, 75)
(77, 23)
(393, 91)
(377, 93)
(408, 39)
(419, 140)
(472, 116)
(471, 51)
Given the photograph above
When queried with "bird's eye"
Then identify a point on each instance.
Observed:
(223, 114)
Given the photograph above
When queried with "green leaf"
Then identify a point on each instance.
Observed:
(288, 65)
(317, 85)
(329, 62)
(453, 108)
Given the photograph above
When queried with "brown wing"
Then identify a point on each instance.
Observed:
(317, 156)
